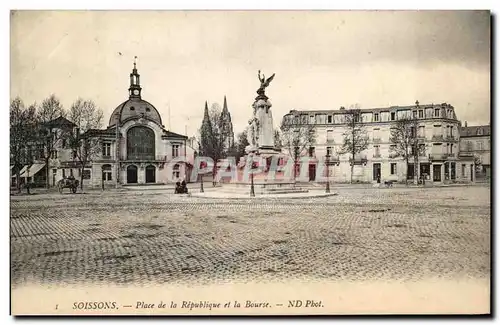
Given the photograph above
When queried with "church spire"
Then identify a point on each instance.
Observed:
(134, 90)
(224, 109)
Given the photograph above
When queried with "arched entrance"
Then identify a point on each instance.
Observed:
(150, 174)
(131, 174)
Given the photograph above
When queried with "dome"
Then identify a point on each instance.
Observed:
(134, 107)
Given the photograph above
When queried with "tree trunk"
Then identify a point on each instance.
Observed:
(47, 174)
(407, 168)
(81, 176)
(352, 169)
(18, 180)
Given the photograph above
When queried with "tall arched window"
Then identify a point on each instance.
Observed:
(140, 143)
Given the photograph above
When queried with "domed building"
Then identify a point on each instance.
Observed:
(136, 147)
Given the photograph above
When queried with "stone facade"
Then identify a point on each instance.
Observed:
(438, 130)
(135, 149)
(475, 142)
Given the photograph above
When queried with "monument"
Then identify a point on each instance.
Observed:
(261, 130)
(261, 148)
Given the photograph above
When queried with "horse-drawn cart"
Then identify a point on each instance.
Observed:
(70, 183)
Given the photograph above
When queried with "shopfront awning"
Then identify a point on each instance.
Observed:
(34, 169)
(23, 170)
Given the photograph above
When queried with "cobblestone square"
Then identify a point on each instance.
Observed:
(143, 237)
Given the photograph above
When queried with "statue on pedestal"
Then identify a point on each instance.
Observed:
(264, 83)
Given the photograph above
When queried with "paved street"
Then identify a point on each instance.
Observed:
(155, 236)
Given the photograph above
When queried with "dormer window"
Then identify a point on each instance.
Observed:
(132, 108)
(148, 109)
(479, 131)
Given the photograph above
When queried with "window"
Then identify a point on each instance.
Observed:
(106, 149)
(393, 168)
(421, 149)
(328, 151)
(479, 145)
(421, 113)
(71, 172)
(148, 109)
(132, 108)
(377, 151)
(479, 131)
(436, 112)
(329, 136)
(64, 143)
(463, 169)
(106, 173)
(74, 154)
(53, 154)
(375, 117)
(311, 152)
(140, 143)
(311, 119)
(176, 172)
(64, 172)
(451, 148)
(421, 131)
(330, 119)
(86, 174)
(414, 114)
(175, 150)
(393, 116)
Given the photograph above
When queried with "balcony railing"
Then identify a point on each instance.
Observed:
(332, 160)
(159, 158)
(438, 156)
(377, 140)
(358, 160)
(451, 138)
(393, 155)
(466, 154)
(437, 137)
(377, 155)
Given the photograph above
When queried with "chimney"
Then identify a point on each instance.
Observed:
(465, 123)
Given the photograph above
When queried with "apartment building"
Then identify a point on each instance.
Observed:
(438, 131)
(475, 142)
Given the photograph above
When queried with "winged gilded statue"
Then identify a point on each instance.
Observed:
(264, 83)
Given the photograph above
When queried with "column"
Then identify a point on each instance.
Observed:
(431, 173)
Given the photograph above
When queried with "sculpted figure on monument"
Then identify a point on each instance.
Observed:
(264, 83)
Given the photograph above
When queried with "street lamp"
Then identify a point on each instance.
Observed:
(327, 190)
(252, 190)
(201, 185)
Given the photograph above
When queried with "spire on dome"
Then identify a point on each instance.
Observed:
(135, 88)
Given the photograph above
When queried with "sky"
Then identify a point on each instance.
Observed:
(322, 60)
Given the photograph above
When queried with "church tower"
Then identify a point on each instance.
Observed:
(134, 91)
(226, 126)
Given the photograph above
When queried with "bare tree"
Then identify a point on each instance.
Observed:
(296, 137)
(241, 144)
(277, 139)
(51, 128)
(402, 138)
(355, 137)
(22, 134)
(85, 144)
